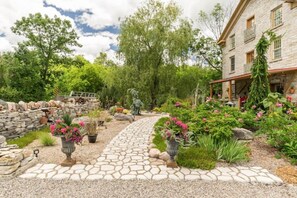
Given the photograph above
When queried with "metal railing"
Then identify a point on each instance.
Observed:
(250, 34)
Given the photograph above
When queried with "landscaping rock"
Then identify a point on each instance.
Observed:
(154, 153)
(242, 134)
(6, 170)
(123, 117)
(23, 106)
(164, 156)
(2, 139)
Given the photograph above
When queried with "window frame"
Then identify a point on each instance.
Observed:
(250, 57)
(273, 16)
(279, 38)
(249, 24)
(232, 42)
(232, 66)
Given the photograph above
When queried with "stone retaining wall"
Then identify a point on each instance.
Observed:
(16, 119)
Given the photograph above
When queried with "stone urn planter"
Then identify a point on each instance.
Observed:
(68, 148)
(172, 149)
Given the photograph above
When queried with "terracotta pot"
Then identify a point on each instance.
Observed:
(119, 110)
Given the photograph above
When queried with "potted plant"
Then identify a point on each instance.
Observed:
(91, 129)
(292, 89)
(70, 134)
(175, 132)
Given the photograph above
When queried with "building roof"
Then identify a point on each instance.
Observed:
(248, 75)
(233, 20)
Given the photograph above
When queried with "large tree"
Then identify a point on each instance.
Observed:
(47, 38)
(153, 37)
(211, 25)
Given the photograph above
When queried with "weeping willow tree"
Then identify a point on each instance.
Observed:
(259, 72)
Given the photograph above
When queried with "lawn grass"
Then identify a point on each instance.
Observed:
(29, 137)
(196, 158)
(159, 142)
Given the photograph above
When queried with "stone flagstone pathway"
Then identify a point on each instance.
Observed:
(126, 157)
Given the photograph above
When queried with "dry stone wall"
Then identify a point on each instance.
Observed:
(16, 119)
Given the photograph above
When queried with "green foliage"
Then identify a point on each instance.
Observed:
(47, 38)
(47, 140)
(229, 150)
(160, 124)
(198, 158)
(67, 119)
(159, 142)
(260, 87)
(233, 151)
(28, 138)
(152, 31)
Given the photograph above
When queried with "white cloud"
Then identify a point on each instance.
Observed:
(104, 13)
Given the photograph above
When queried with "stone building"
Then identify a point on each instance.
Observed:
(250, 19)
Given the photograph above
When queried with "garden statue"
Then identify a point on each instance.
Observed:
(136, 104)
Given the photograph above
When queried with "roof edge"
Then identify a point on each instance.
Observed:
(232, 21)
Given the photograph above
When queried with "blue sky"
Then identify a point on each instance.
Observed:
(96, 21)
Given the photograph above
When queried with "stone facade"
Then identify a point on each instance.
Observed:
(18, 119)
(261, 10)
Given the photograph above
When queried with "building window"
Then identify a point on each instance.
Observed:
(277, 17)
(250, 57)
(232, 39)
(232, 61)
(250, 23)
(277, 48)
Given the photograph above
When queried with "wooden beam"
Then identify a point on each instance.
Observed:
(230, 91)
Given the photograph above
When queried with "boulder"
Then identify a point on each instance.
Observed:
(6, 170)
(164, 156)
(2, 139)
(11, 106)
(123, 117)
(242, 134)
(11, 159)
(23, 106)
(154, 153)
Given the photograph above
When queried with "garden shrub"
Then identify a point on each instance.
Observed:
(233, 151)
(47, 140)
(159, 142)
(199, 158)
(160, 124)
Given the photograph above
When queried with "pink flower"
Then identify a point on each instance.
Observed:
(168, 134)
(58, 121)
(177, 104)
(259, 114)
(52, 128)
(179, 123)
(174, 119)
(254, 107)
(279, 104)
(219, 95)
(216, 111)
(63, 130)
(184, 126)
(75, 129)
(289, 98)
(204, 119)
(81, 123)
(167, 123)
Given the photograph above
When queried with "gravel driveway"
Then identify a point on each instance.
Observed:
(136, 188)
